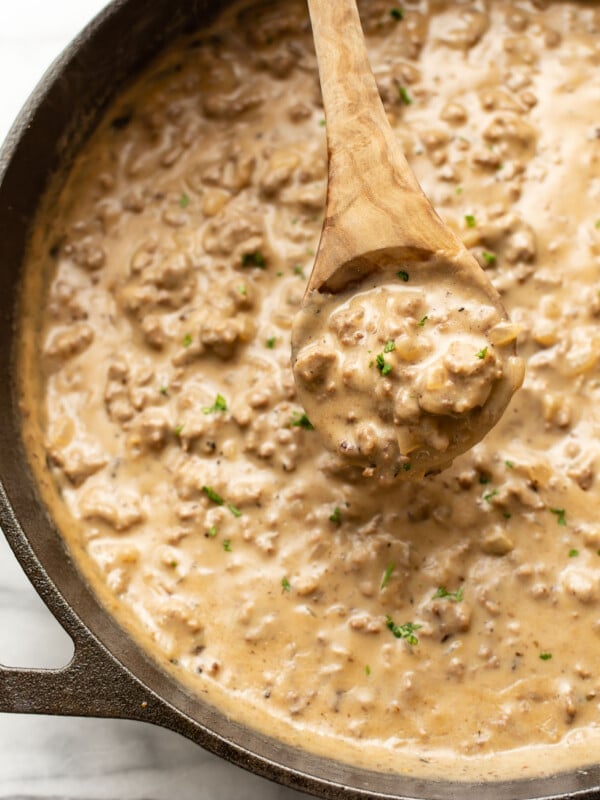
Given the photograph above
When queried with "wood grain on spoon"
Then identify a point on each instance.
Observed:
(420, 397)
(375, 205)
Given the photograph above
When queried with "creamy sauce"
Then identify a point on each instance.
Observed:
(449, 626)
(404, 371)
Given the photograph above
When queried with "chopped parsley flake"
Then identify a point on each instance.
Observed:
(561, 515)
(255, 259)
(242, 289)
(597, 223)
(322, 123)
(212, 531)
(299, 270)
(220, 404)
(470, 220)
(573, 553)
(545, 656)
(459, 190)
(397, 13)
(389, 346)
(235, 511)
(270, 343)
(482, 353)
(509, 464)
(164, 390)
(422, 321)
(285, 584)
(404, 96)
(302, 421)
(212, 495)
(442, 592)
(403, 275)
(490, 495)
(506, 515)
(227, 545)
(187, 340)
(184, 201)
(367, 670)
(336, 516)
(489, 258)
(483, 479)
(178, 429)
(382, 365)
(387, 574)
(406, 631)
(174, 563)
(407, 466)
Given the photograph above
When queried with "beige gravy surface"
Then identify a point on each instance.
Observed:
(446, 626)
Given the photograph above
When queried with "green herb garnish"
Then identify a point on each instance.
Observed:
(227, 545)
(285, 584)
(389, 346)
(212, 495)
(422, 321)
(397, 13)
(482, 353)
(235, 511)
(407, 466)
(302, 421)
(509, 464)
(382, 365)
(470, 220)
(489, 258)
(255, 259)
(270, 343)
(573, 552)
(404, 96)
(367, 670)
(387, 574)
(299, 270)
(164, 390)
(212, 531)
(336, 516)
(220, 404)
(561, 515)
(442, 592)
(406, 631)
(322, 123)
(490, 495)
(177, 430)
(184, 201)
(545, 656)
(187, 340)
(403, 275)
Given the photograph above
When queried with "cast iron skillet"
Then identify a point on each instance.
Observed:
(110, 676)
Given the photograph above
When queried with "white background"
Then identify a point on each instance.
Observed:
(49, 757)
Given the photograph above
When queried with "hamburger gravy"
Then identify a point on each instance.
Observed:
(447, 625)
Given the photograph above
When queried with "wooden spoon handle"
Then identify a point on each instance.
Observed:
(359, 138)
(374, 201)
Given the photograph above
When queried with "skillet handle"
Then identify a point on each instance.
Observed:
(93, 684)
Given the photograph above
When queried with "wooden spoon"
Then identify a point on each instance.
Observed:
(377, 217)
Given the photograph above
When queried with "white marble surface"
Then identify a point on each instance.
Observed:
(49, 757)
